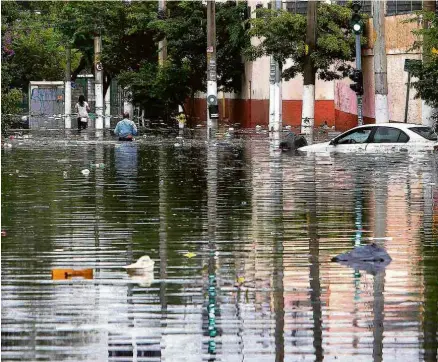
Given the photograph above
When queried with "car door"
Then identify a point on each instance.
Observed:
(388, 139)
(353, 141)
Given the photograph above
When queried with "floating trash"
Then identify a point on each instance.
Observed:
(177, 144)
(145, 263)
(85, 172)
(189, 255)
(3, 232)
(62, 274)
(64, 174)
(144, 279)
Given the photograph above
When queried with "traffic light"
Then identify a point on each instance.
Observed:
(357, 77)
(356, 19)
(213, 110)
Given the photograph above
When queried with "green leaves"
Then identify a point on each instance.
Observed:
(426, 72)
(283, 35)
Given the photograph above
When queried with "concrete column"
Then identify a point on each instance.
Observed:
(380, 63)
(211, 66)
(108, 108)
(67, 90)
(98, 85)
(308, 113)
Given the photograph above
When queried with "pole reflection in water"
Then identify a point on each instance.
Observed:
(276, 182)
(212, 307)
(162, 190)
(430, 266)
(380, 219)
(314, 272)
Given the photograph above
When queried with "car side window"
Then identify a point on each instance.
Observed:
(390, 135)
(357, 136)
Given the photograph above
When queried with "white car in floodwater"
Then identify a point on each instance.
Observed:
(375, 138)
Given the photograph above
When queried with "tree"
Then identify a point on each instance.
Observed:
(426, 71)
(185, 30)
(31, 48)
(158, 89)
(127, 38)
(283, 35)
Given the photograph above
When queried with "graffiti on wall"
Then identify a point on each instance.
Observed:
(46, 107)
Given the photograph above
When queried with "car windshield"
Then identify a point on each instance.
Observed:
(425, 132)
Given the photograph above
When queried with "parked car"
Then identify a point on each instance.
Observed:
(374, 138)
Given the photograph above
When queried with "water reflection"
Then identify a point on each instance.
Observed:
(262, 228)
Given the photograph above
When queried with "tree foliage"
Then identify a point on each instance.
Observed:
(127, 38)
(426, 71)
(185, 29)
(31, 49)
(158, 89)
(283, 35)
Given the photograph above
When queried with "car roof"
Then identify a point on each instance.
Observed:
(395, 125)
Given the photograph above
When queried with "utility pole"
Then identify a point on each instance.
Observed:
(426, 110)
(67, 90)
(162, 45)
(357, 76)
(308, 114)
(98, 81)
(212, 105)
(380, 64)
(275, 96)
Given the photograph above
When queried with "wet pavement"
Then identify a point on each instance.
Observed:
(242, 238)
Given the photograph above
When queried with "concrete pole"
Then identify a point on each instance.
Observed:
(308, 113)
(359, 67)
(211, 65)
(108, 107)
(275, 84)
(67, 92)
(380, 64)
(162, 45)
(98, 83)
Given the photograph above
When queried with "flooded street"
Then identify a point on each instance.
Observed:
(242, 238)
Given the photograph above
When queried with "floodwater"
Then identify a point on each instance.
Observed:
(242, 238)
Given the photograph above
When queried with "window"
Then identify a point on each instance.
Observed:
(425, 132)
(357, 136)
(390, 135)
(297, 6)
(395, 7)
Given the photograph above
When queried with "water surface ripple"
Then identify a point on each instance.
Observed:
(242, 238)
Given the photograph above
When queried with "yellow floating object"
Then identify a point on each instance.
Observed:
(189, 255)
(241, 280)
(63, 274)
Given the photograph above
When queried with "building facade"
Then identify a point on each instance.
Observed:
(335, 102)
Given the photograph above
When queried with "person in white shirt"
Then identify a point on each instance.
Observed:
(82, 108)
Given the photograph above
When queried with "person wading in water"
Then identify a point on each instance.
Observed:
(82, 108)
(125, 128)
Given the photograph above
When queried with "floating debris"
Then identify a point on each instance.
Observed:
(189, 255)
(62, 274)
(145, 263)
(85, 172)
(4, 233)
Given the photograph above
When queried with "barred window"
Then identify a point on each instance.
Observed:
(395, 7)
(296, 6)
